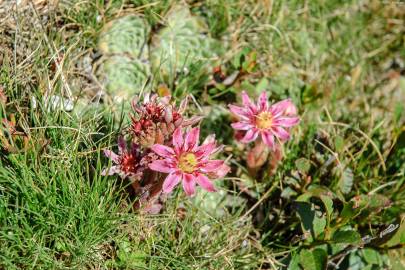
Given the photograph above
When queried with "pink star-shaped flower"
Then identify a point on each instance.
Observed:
(266, 120)
(189, 163)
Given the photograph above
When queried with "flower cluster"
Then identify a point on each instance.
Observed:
(159, 157)
(164, 146)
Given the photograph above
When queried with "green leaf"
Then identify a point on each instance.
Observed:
(346, 180)
(288, 192)
(377, 201)
(312, 221)
(327, 201)
(347, 237)
(303, 165)
(349, 211)
(371, 256)
(294, 262)
(313, 260)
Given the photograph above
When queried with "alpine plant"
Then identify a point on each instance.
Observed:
(188, 162)
(272, 123)
(159, 157)
(155, 120)
(127, 163)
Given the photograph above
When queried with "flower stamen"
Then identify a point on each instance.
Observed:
(264, 120)
(188, 162)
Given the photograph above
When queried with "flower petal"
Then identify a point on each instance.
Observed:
(250, 136)
(239, 111)
(146, 98)
(286, 121)
(248, 103)
(189, 184)
(222, 171)
(191, 139)
(165, 100)
(168, 114)
(209, 139)
(285, 106)
(262, 102)
(268, 138)
(281, 133)
(163, 150)
(183, 105)
(135, 150)
(291, 109)
(110, 171)
(192, 121)
(211, 165)
(246, 99)
(205, 183)
(111, 155)
(241, 126)
(161, 166)
(171, 181)
(122, 145)
(205, 150)
(178, 138)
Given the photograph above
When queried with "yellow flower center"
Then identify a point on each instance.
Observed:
(188, 162)
(264, 120)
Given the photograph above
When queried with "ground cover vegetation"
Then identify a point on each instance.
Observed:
(202, 134)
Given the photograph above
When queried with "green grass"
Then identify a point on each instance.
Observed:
(342, 63)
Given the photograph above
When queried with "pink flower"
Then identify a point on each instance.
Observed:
(266, 120)
(128, 162)
(189, 163)
(155, 119)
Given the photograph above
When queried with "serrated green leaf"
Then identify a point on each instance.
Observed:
(377, 201)
(324, 195)
(304, 197)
